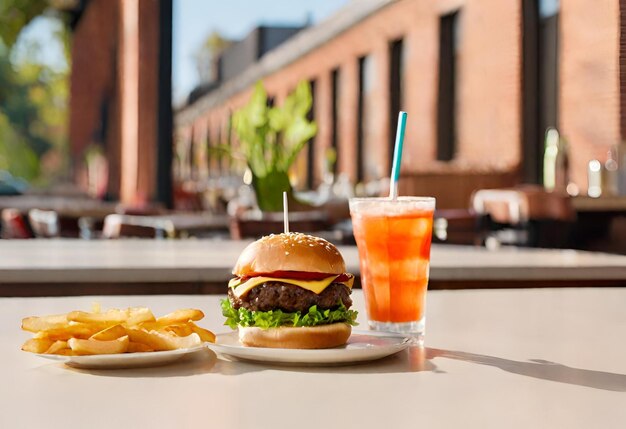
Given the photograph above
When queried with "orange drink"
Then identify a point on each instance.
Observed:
(393, 238)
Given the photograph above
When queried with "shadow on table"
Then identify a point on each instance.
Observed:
(200, 362)
(206, 361)
(413, 359)
(417, 359)
(542, 369)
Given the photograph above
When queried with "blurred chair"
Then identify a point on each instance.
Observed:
(187, 200)
(256, 224)
(90, 228)
(118, 226)
(44, 223)
(526, 216)
(460, 226)
(14, 225)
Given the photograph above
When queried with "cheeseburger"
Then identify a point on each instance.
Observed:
(290, 291)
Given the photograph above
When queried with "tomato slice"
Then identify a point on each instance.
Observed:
(344, 277)
(299, 275)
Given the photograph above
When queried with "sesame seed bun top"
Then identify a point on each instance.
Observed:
(290, 252)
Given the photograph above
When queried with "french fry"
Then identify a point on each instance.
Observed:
(57, 347)
(45, 323)
(111, 333)
(182, 330)
(110, 317)
(76, 330)
(138, 315)
(130, 316)
(204, 334)
(180, 316)
(128, 330)
(138, 348)
(37, 345)
(146, 338)
(95, 347)
(163, 341)
(149, 326)
(174, 342)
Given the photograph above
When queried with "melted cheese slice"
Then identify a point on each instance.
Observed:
(315, 286)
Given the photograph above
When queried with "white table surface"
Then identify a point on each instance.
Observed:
(50, 261)
(525, 358)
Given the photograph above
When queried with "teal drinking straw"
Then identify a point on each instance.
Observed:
(397, 156)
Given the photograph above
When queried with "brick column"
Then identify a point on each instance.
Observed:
(94, 117)
(129, 98)
(138, 58)
(622, 69)
(148, 98)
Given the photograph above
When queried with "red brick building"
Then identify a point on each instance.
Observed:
(480, 80)
(120, 99)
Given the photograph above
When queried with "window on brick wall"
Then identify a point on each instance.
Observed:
(205, 163)
(396, 89)
(368, 166)
(446, 101)
(303, 169)
(359, 124)
(335, 96)
(220, 156)
(549, 63)
(186, 160)
(540, 80)
(310, 159)
(229, 141)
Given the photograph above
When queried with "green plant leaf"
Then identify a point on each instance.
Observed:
(276, 318)
(271, 137)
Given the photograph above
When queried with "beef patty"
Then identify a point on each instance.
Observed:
(276, 295)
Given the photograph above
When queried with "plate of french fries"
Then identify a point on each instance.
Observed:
(116, 338)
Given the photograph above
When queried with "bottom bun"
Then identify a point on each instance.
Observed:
(315, 337)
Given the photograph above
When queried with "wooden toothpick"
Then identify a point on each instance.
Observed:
(286, 212)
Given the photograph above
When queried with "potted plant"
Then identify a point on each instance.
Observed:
(270, 138)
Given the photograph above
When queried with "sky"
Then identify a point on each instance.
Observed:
(41, 32)
(195, 19)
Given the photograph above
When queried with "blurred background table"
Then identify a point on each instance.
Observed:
(63, 206)
(601, 223)
(606, 204)
(80, 267)
(520, 358)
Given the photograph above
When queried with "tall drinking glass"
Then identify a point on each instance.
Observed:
(393, 238)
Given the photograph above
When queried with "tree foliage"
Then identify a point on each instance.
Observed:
(17, 14)
(207, 53)
(33, 99)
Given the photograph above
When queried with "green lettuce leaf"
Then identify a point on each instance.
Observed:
(276, 318)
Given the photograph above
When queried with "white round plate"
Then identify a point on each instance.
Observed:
(362, 346)
(123, 360)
